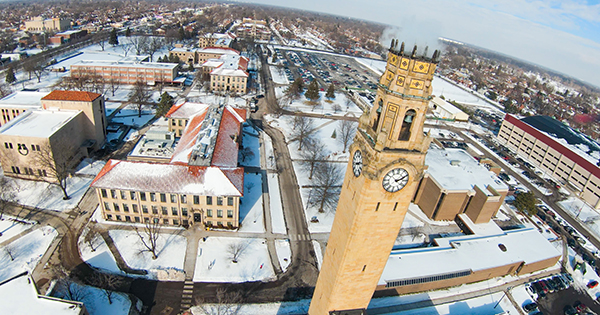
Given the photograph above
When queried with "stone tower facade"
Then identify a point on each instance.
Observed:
(386, 165)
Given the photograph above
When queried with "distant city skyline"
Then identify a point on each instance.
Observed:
(560, 35)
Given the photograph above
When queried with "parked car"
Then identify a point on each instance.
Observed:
(580, 307)
(592, 284)
(530, 307)
(569, 310)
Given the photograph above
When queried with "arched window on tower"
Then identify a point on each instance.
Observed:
(378, 115)
(406, 125)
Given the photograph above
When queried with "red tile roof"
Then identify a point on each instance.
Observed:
(188, 140)
(225, 153)
(58, 95)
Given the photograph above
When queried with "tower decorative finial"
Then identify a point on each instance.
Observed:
(392, 44)
(414, 52)
(425, 51)
(402, 48)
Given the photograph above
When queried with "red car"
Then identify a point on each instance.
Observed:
(592, 284)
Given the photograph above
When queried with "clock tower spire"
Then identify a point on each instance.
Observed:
(386, 165)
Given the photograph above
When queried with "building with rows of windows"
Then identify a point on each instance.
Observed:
(556, 150)
(129, 70)
(200, 184)
(228, 74)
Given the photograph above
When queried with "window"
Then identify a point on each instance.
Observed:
(123, 195)
(184, 212)
(146, 220)
(219, 223)
(113, 194)
(208, 223)
(118, 218)
(183, 198)
(116, 206)
(125, 208)
(209, 213)
(230, 201)
(132, 195)
(173, 198)
(106, 206)
(230, 213)
(166, 221)
(137, 219)
(196, 200)
(152, 197)
(142, 196)
(219, 201)
(127, 218)
(209, 200)
(135, 208)
(174, 211)
(164, 210)
(144, 209)
(163, 198)
(219, 213)
(229, 224)
(109, 216)
(184, 222)
(104, 193)
(175, 222)
(154, 210)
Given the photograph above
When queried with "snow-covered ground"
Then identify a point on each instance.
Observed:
(48, 196)
(89, 167)
(97, 254)
(521, 295)
(214, 262)
(129, 115)
(26, 252)
(284, 253)
(11, 226)
(251, 208)
(318, 253)
(483, 305)
(299, 307)
(171, 253)
(278, 75)
(277, 218)
(324, 105)
(250, 141)
(96, 302)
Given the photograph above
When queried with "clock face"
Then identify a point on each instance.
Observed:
(395, 180)
(357, 163)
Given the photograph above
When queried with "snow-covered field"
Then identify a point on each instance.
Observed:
(47, 196)
(278, 75)
(324, 105)
(10, 226)
(97, 254)
(96, 302)
(129, 115)
(26, 252)
(277, 218)
(214, 262)
(284, 253)
(299, 307)
(171, 252)
(251, 208)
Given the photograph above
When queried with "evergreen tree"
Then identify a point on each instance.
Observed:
(334, 134)
(525, 202)
(10, 75)
(330, 91)
(295, 89)
(113, 39)
(128, 32)
(165, 103)
(181, 33)
(312, 92)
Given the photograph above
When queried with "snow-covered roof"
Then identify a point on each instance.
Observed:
(38, 123)
(19, 295)
(218, 50)
(232, 65)
(185, 110)
(24, 99)
(171, 178)
(212, 63)
(455, 169)
(126, 64)
(446, 106)
(468, 252)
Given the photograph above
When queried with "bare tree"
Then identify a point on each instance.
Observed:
(336, 107)
(327, 181)
(56, 166)
(149, 236)
(235, 250)
(102, 42)
(126, 48)
(246, 152)
(7, 194)
(113, 85)
(302, 129)
(107, 282)
(153, 45)
(34, 66)
(140, 96)
(4, 90)
(227, 303)
(313, 154)
(11, 251)
(68, 287)
(346, 130)
(91, 236)
(139, 44)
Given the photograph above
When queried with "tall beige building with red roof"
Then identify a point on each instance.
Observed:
(202, 183)
(65, 129)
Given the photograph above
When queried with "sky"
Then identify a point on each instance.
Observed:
(563, 35)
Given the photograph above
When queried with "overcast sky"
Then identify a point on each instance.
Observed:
(563, 35)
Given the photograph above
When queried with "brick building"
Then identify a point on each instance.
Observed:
(127, 71)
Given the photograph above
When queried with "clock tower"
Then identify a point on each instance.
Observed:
(386, 165)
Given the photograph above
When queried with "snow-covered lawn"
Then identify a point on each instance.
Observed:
(110, 107)
(277, 218)
(98, 255)
(9, 227)
(251, 208)
(284, 253)
(129, 115)
(269, 155)
(171, 252)
(214, 263)
(299, 307)
(250, 142)
(89, 167)
(278, 75)
(323, 105)
(47, 196)
(208, 98)
(96, 302)
(26, 251)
